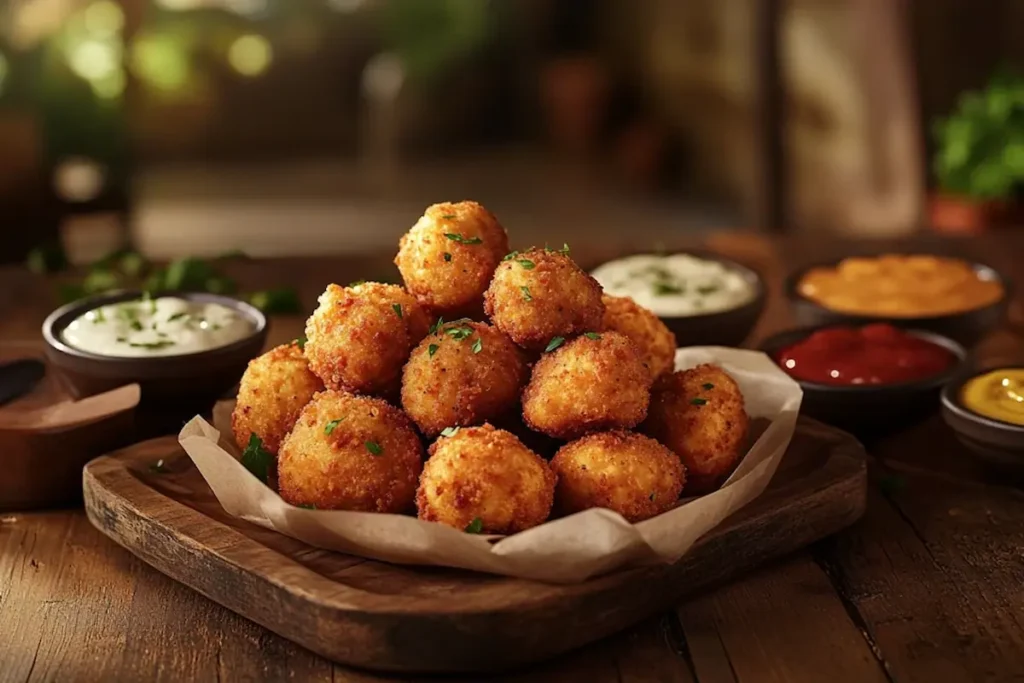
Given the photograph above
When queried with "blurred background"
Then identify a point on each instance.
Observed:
(300, 127)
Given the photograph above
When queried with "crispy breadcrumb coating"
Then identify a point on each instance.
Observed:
(648, 332)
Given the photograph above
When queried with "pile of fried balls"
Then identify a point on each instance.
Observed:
(499, 360)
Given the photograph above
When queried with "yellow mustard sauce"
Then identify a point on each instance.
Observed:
(998, 394)
(898, 286)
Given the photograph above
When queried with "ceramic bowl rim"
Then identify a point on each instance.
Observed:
(951, 400)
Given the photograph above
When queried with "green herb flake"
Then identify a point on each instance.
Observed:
(306, 506)
(708, 385)
(300, 342)
(177, 316)
(356, 283)
(148, 299)
(98, 316)
(432, 349)
(449, 216)
(158, 467)
(122, 340)
(698, 401)
(437, 325)
(330, 427)
(152, 346)
(591, 335)
(666, 289)
(397, 308)
(478, 345)
(509, 256)
(449, 431)
(458, 237)
(652, 496)
(708, 289)
(475, 527)
(257, 459)
(459, 333)
(447, 256)
(526, 263)
(136, 325)
(374, 448)
(526, 293)
(554, 344)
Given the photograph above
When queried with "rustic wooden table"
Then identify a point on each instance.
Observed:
(928, 587)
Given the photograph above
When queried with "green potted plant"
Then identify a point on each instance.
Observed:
(979, 160)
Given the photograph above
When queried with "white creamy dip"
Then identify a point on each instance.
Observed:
(167, 326)
(675, 285)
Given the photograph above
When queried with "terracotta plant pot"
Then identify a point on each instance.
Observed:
(962, 216)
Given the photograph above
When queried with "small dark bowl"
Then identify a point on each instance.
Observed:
(730, 327)
(967, 327)
(871, 410)
(997, 443)
(174, 388)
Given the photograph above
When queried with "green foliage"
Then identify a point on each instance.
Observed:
(980, 147)
(431, 36)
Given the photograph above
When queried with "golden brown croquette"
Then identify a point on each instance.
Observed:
(540, 294)
(626, 472)
(448, 257)
(699, 414)
(274, 389)
(655, 341)
(359, 337)
(350, 452)
(464, 374)
(485, 480)
(595, 382)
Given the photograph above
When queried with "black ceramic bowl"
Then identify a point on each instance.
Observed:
(174, 388)
(722, 328)
(996, 442)
(967, 327)
(870, 410)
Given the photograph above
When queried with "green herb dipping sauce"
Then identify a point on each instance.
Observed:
(168, 326)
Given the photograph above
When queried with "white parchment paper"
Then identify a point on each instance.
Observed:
(564, 550)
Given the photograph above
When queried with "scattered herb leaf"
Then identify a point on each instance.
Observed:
(160, 344)
(437, 324)
(158, 467)
(307, 506)
(458, 237)
(397, 308)
(356, 283)
(257, 459)
(526, 293)
(431, 350)
(707, 289)
(652, 496)
(330, 427)
(447, 256)
(449, 216)
(591, 335)
(459, 332)
(666, 288)
(136, 325)
(99, 316)
(478, 345)
(554, 344)
(708, 385)
(449, 431)
(177, 316)
(374, 448)
(698, 401)
(509, 256)
(300, 342)
(475, 527)
(526, 263)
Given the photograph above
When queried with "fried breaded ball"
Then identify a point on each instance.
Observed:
(622, 471)
(655, 340)
(699, 414)
(464, 374)
(350, 452)
(540, 294)
(485, 480)
(593, 383)
(359, 337)
(448, 257)
(274, 389)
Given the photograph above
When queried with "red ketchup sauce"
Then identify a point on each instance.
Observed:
(873, 354)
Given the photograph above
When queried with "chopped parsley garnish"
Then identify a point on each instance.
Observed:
(158, 467)
(356, 283)
(652, 496)
(478, 345)
(146, 297)
(707, 289)
(257, 459)
(459, 333)
(397, 308)
(449, 431)
(99, 316)
(307, 506)
(509, 256)
(698, 401)
(591, 335)
(330, 427)
(177, 316)
(432, 349)
(449, 216)
(437, 324)
(475, 527)
(458, 237)
(153, 326)
(554, 343)
(374, 448)
(160, 344)
(122, 340)
(447, 256)
(564, 250)
(526, 293)
(666, 288)
(708, 385)
(300, 342)
(526, 263)
(136, 325)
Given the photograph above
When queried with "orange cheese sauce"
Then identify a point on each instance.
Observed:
(899, 286)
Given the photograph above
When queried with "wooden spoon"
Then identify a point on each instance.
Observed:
(67, 414)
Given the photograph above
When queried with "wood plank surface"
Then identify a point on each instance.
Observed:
(929, 579)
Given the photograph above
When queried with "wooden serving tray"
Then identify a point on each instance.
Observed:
(421, 619)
